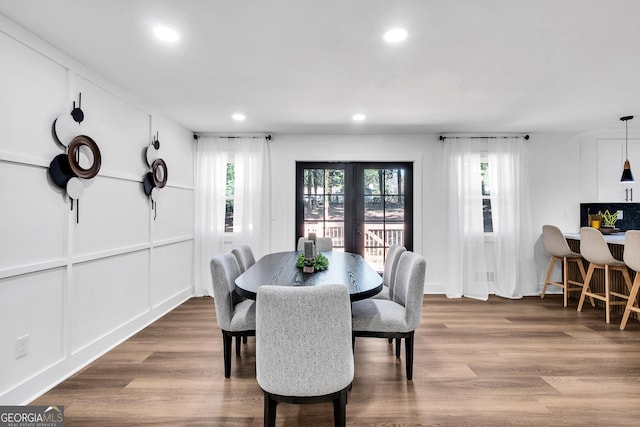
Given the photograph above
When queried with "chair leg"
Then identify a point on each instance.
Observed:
(238, 339)
(607, 294)
(226, 350)
(565, 281)
(244, 339)
(586, 287)
(552, 262)
(270, 406)
(340, 410)
(398, 340)
(583, 274)
(408, 348)
(631, 302)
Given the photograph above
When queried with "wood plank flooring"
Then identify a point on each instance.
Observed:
(527, 362)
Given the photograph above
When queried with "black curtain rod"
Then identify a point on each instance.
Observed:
(442, 137)
(268, 137)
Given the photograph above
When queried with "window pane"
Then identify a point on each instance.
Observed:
(373, 208)
(486, 213)
(229, 194)
(313, 208)
(394, 208)
(394, 181)
(335, 207)
(484, 167)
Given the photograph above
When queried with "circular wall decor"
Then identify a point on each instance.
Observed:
(159, 173)
(74, 155)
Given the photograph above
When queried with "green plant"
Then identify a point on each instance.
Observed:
(319, 262)
(609, 219)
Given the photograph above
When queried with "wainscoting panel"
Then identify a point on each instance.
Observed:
(31, 305)
(34, 217)
(106, 294)
(171, 270)
(113, 213)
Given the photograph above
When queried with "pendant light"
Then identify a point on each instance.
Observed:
(627, 176)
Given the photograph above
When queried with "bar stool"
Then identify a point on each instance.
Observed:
(632, 260)
(556, 245)
(594, 249)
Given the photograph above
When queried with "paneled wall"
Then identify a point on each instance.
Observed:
(77, 282)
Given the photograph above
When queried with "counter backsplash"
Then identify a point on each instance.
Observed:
(630, 214)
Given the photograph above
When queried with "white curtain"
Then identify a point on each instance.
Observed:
(511, 243)
(252, 211)
(515, 273)
(465, 228)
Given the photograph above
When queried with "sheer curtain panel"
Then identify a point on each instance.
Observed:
(465, 228)
(252, 210)
(513, 242)
(509, 247)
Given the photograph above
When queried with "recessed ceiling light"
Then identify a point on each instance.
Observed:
(238, 117)
(395, 35)
(166, 34)
(359, 117)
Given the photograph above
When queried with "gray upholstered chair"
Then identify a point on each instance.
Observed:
(556, 245)
(322, 243)
(397, 318)
(244, 255)
(594, 249)
(389, 272)
(632, 260)
(235, 315)
(303, 347)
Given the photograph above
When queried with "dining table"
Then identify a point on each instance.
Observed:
(345, 268)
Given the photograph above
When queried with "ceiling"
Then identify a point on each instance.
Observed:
(303, 66)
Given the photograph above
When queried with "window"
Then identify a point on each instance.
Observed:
(486, 198)
(230, 192)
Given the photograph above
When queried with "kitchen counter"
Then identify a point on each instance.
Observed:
(615, 238)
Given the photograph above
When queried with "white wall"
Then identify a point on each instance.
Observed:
(78, 289)
(554, 168)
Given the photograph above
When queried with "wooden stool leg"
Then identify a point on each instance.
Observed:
(632, 300)
(565, 280)
(584, 280)
(552, 262)
(607, 293)
(586, 287)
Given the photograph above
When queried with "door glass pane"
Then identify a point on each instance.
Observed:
(323, 195)
(383, 216)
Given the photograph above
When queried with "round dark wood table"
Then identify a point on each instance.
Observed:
(345, 268)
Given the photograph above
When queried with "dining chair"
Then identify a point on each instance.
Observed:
(556, 245)
(303, 347)
(235, 315)
(594, 249)
(389, 272)
(322, 243)
(631, 258)
(399, 317)
(244, 255)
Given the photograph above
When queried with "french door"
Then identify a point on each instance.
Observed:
(364, 207)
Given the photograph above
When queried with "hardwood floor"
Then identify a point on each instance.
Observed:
(526, 362)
